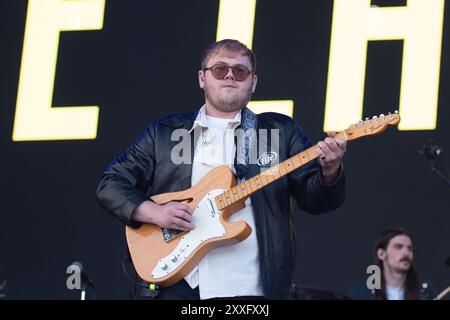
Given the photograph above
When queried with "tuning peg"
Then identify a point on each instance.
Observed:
(396, 111)
(367, 118)
(374, 117)
(382, 115)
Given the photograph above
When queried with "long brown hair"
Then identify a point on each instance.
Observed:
(412, 282)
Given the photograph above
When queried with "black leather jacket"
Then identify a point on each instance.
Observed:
(145, 169)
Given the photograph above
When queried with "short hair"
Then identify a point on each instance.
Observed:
(229, 45)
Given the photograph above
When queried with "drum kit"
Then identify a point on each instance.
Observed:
(310, 293)
(299, 292)
(445, 292)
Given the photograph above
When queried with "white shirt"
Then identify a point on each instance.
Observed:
(395, 293)
(231, 270)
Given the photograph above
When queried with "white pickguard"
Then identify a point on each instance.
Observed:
(206, 218)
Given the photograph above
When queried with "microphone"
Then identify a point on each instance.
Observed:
(83, 273)
(431, 150)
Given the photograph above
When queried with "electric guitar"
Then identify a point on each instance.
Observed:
(165, 256)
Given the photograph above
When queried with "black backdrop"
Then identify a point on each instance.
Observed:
(141, 66)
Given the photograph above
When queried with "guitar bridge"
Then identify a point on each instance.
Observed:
(169, 234)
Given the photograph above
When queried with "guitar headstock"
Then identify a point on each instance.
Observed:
(372, 126)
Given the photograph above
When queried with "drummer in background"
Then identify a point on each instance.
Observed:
(394, 255)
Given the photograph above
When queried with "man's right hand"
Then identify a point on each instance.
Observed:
(172, 215)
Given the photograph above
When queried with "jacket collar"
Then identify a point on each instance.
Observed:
(190, 120)
(201, 119)
(180, 120)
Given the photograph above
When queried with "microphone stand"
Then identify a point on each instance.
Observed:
(83, 291)
(86, 280)
(434, 168)
(432, 152)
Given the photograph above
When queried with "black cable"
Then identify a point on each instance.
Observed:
(134, 286)
(128, 276)
(93, 293)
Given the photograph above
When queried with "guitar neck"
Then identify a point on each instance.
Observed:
(245, 189)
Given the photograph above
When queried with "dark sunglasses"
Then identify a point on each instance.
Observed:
(219, 71)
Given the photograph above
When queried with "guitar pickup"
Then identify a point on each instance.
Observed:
(211, 209)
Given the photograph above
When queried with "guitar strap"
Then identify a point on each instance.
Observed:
(245, 140)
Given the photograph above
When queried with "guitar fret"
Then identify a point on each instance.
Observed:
(224, 198)
(220, 198)
(263, 179)
(290, 165)
(233, 194)
(266, 178)
(231, 197)
(300, 158)
(305, 157)
(270, 175)
(239, 187)
(314, 153)
(297, 161)
(294, 163)
(256, 183)
(287, 165)
(239, 192)
(280, 169)
(250, 185)
(227, 197)
(244, 190)
(224, 201)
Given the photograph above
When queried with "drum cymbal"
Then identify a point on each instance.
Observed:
(299, 292)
